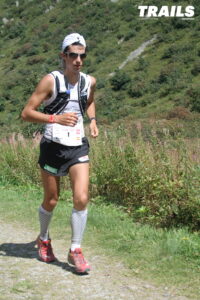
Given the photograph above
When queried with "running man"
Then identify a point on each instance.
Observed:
(64, 148)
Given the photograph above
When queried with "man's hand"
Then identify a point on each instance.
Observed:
(68, 119)
(94, 131)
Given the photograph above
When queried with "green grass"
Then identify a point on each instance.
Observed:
(164, 257)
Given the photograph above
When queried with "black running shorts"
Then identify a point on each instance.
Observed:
(56, 159)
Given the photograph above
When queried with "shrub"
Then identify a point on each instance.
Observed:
(101, 83)
(196, 69)
(119, 80)
(171, 77)
(100, 58)
(129, 35)
(153, 86)
(46, 47)
(141, 65)
(177, 23)
(153, 178)
(148, 99)
(35, 59)
(166, 73)
(137, 87)
(2, 107)
(179, 112)
(14, 29)
(169, 52)
(19, 162)
(27, 49)
(194, 98)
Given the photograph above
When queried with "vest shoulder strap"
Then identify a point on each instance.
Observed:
(82, 82)
(62, 98)
(59, 81)
(62, 83)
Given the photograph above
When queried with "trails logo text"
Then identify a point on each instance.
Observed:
(166, 11)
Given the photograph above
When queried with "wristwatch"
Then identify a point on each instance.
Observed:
(93, 118)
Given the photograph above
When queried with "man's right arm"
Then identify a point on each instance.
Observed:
(42, 92)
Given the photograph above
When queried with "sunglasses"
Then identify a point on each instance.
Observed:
(74, 55)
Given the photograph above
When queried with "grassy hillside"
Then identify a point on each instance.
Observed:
(167, 73)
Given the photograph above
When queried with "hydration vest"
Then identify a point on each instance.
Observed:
(63, 93)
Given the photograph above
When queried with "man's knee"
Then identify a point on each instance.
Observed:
(81, 201)
(50, 201)
(53, 201)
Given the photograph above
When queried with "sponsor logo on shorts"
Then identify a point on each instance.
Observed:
(51, 169)
(83, 158)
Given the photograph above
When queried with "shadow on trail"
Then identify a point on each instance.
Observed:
(29, 250)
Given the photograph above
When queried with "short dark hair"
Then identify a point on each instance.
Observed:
(74, 44)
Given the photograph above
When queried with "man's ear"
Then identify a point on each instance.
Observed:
(61, 55)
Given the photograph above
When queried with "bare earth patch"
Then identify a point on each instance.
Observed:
(23, 276)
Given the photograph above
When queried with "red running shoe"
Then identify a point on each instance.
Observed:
(45, 250)
(77, 259)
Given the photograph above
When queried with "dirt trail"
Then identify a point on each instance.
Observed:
(23, 276)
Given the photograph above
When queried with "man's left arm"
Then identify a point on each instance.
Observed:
(91, 111)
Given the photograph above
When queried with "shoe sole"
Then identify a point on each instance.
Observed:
(79, 272)
(46, 261)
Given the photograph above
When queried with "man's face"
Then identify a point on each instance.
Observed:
(74, 58)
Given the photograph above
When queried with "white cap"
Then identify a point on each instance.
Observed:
(73, 38)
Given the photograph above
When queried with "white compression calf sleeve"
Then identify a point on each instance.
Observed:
(78, 223)
(45, 218)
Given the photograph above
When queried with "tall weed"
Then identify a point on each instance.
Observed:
(18, 161)
(157, 182)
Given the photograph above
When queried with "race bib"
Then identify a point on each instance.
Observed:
(68, 135)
